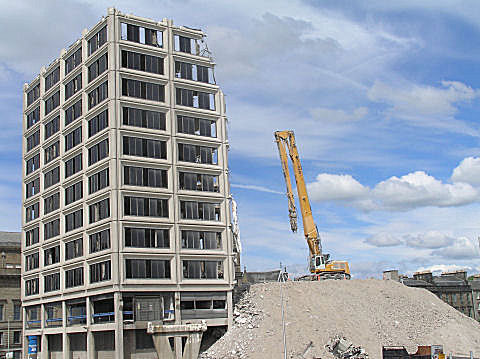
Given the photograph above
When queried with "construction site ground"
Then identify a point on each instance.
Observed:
(370, 313)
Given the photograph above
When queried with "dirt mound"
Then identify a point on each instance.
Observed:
(370, 313)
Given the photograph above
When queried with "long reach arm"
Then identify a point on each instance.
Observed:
(286, 139)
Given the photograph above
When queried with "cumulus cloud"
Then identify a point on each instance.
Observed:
(328, 187)
(413, 190)
(335, 115)
(440, 268)
(384, 239)
(468, 171)
(430, 239)
(461, 248)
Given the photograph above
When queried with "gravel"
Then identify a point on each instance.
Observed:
(370, 313)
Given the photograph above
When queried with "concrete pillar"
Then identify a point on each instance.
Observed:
(230, 308)
(178, 347)
(66, 345)
(44, 353)
(117, 305)
(90, 345)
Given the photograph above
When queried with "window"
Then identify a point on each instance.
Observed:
(99, 210)
(31, 287)
(33, 140)
(98, 123)
(1, 314)
(33, 94)
(145, 207)
(195, 99)
(31, 236)
(52, 102)
(73, 61)
(1, 335)
(74, 220)
(73, 112)
(51, 177)
(32, 188)
(147, 238)
(98, 67)
(74, 249)
(100, 272)
(198, 182)
(98, 181)
(73, 138)
(147, 268)
(197, 154)
(188, 71)
(145, 90)
(52, 126)
(16, 337)
(144, 118)
(204, 211)
(52, 152)
(73, 193)
(141, 62)
(201, 240)
(143, 147)
(51, 203)
(17, 311)
(141, 35)
(100, 241)
(33, 117)
(73, 86)
(98, 95)
(97, 40)
(145, 177)
(32, 212)
(74, 277)
(52, 282)
(51, 255)
(196, 126)
(73, 165)
(31, 261)
(52, 229)
(143, 340)
(33, 164)
(98, 152)
(202, 269)
(52, 78)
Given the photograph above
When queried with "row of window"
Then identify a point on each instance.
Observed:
(98, 272)
(134, 269)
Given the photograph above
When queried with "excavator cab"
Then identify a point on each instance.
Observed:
(317, 264)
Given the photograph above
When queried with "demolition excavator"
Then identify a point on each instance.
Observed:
(321, 267)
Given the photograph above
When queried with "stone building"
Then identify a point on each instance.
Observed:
(126, 192)
(452, 287)
(10, 303)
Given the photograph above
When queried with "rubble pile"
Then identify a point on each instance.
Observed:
(370, 313)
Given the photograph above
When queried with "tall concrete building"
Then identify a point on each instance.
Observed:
(10, 304)
(125, 192)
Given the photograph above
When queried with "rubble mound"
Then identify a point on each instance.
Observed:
(370, 313)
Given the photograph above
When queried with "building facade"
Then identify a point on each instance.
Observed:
(10, 303)
(125, 192)
(451, 287)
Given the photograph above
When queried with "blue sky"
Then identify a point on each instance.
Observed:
(383, 97)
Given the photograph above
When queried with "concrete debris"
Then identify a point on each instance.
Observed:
(370, 313)
(342, 348)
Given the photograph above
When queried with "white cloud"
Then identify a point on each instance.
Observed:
(332, 115)
(441, 268)
(461, 248)
(255, 188)
(384, 239)
(418, 189)
(328, 187)
(430, 239)
(468, 171)
(426, 105)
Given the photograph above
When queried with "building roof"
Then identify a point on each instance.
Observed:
(10, 239)
(416, 283)
(449, 281)
(474, 284)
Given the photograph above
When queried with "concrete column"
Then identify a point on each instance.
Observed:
(178, 347)
(44, 353)
(66, 345)
(117, 305)
(230, 308)
(90, 345)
